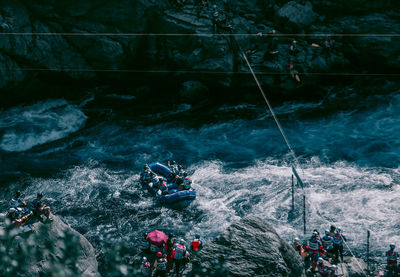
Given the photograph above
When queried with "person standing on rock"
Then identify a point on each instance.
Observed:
(169, 247)
(215, 20)
(197, 244)
(338, 239)
(145, 269)
(391, 258)
(313, 247)
(327, 243)
(293, 48)
(180, 256)
(160, 266)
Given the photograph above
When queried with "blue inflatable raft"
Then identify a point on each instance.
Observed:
(174, 195)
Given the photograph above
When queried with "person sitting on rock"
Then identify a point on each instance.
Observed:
(197, 244)
(40, 208)
(313, 247)
(391, 258)
(17, 201)
(338, 239)
(16, 217)
(145, 268)
(160, 266)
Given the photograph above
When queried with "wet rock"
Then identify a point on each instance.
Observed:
(353, 267)
(297, 14)
(193, 91)
(250, 247)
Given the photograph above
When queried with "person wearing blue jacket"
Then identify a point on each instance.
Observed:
(338, 239)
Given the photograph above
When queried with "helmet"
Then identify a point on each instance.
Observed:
(12, 210)
(170, 235)
(159, 254)
(215, 6)
(294, 42)
(327, 232)
(338, 229)
(320, 260)
(296, 239)
(182, 241)
(197, 236)
(17, 193)
(144, 260)
(39, 194)
(334, 267)
(314, 234)
(333, 228)
(392, 246)
(172, 162)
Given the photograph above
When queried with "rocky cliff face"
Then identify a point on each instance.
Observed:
(50, 248)
(32, 62)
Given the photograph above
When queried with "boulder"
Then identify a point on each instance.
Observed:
(193, 91)
(51, 247)
(297, 14)
(249, 247)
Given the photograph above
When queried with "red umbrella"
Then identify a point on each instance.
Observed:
(157, 238)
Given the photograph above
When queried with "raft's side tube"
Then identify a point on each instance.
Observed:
(160, 169)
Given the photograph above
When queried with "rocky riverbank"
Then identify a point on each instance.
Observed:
(37, 65)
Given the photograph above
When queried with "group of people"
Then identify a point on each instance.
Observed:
(317, 249)
(20, 213)
(173, 253)
(159, 183)
(329, 248)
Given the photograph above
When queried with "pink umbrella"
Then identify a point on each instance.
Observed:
(157, 238)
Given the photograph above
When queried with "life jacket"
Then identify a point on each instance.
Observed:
(180, 252)
(327, 242)
(391, 257)
(195, 244)
(14, 203)
(337, 238)
(161, 265)
(187, 182)
(146, 267)
(313, 244)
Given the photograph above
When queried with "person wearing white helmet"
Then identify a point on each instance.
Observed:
(313, 248)
(297, 246)
(321, 268)
(145, 269)
(391, 258)
(180, 256)
(332, 272)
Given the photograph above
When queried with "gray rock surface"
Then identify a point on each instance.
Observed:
(53, 237)
(297, 14)
(251, 247)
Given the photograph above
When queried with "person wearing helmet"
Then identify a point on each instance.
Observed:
(332, 230)
(332, 271)
(338, 239)
(321, 268)
(215, 20)
(197, 244)
(160, 265)
(40, 208)
(180, 256)
(15, 215)
(327, 243)
(297, 246)
(187, 183)
(391, 258)
(145, 269)
(313, 248)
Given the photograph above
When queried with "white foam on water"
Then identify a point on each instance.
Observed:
(27, 126)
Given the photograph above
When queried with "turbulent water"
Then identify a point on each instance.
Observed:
(88, 168)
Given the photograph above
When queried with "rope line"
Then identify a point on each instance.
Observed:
(289, 146)
(197, 34)
(200, 72)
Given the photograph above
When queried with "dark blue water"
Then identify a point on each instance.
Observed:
(88, 167)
